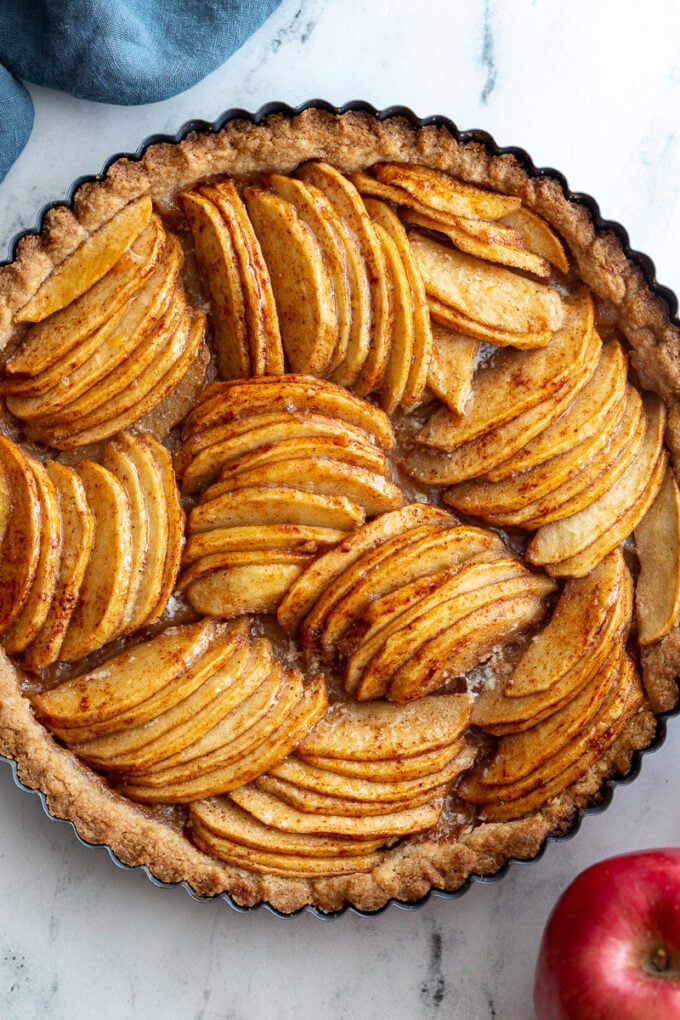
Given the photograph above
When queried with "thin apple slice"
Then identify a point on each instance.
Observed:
(264, 336)
(539, 237)
(577, 621)
(519, 754)
(519, 380)
(302, 286)
(348, 204)
(275, 505)
(89, 262)
(520, 305)
(401, 343)
(469, 241)
(452, 367)
(26, 626)
(454, 319)
(386, 217)
(228, 401)
(569, 536)
(500, 614)
(311, 801)
(370, 490)
(378, 730)
(657, 543)
(221, 816)
(200, 778)
(217, 259)
(273, 811)
(77, 524)
(591, 409)
(477, 456)
(230, 584)
(317, 213)
(390, 769)
(335, 448)
(207, 462)
(327, 568)
(50, 340)
(20, 528)
(127, 680)
(438, 190)
(290, 537)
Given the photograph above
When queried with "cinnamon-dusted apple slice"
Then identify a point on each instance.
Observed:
(77, 525)
(264, 336)
(500, 803)
(291, 537)
(378, 730)
(272, 811)
(327, 568)
(453, 318)
(538, 236)
(519, 754)
(499, 614)
(591, 409)
(20, 527)
(132, 677)
(135, 748)
(317, 213)
(113, 344)
(302, 286)
(50, 340)
(519, 380)
(337, 448)
(311, 801)
(440, 191)
(401, 341)
(499, 714)
(168, 550)
(370, 490)
(577, 622)
(230, 584)
(226, 401)
(201, 778)
(157, 382)
(204, 466)
(221, 816)
(275, 505)
(386, 217)
(473, 241)
(102, 601)
(477, 456)
(348, 204)
(657, 543)
(89, 262)
(571, 535)
(519, 305)
(217, 258)
(392, 770)
(452, 367)
(26, 626)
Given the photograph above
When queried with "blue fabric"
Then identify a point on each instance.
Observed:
(112, 51)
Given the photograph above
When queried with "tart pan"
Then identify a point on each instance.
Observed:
(642, 261)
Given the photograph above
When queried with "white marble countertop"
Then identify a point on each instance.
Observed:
(593, 89)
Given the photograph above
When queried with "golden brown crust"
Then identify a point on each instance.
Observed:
(352, 141)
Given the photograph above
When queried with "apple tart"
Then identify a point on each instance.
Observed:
(339, 518)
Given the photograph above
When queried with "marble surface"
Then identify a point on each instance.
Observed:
(593, 89)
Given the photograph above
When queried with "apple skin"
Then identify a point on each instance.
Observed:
(611, 947)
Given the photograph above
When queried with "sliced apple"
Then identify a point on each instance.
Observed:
(291, 537)
(336, 448)
(387, 770)
(230, 584)
(312, 801)
(539, 237)
(77, 524)
(438, 190)
(21, 526)
(453, 318)
(452, 367)
(168, 550)
(89, 262)
(275, 505)
(657, 543)
(401, 342)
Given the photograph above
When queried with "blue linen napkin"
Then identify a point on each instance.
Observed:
(112, 51)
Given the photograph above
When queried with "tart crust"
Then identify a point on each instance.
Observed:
(350, 141)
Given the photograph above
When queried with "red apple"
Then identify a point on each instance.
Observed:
(611, 947)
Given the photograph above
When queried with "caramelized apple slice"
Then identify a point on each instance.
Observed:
(337, 448)
(401, 343)
(290, 537)
(311, 801)
(89, 262)
(230, 584)
(452, 368)
(389, 769)
(77, 524)
(657, 543)
(20, 527)
(438, 190)
(539, 237)
(275, 505)
(454, 319)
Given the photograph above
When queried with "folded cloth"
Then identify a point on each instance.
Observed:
(112, 51)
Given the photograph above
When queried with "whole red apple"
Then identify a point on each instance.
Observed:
(611, 947)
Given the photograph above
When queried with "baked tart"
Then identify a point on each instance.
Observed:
(339, 520)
